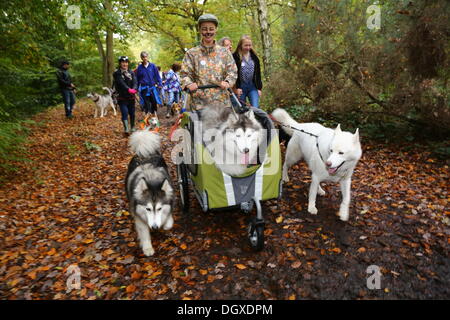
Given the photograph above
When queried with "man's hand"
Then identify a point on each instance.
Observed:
(224, 85)
(72, 85)
(259, 93)
(192, 87)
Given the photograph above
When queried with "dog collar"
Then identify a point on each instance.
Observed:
(97, 99)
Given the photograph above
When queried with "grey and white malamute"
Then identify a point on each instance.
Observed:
(149, 191)
(102, 102)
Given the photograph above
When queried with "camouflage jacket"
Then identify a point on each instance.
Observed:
(208, 65)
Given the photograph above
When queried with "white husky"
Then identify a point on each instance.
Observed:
(102, 102)
(232, 139)
(331, 155)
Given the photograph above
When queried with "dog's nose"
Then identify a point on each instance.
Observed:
(246, 150)
(154, 226)
(328, 163)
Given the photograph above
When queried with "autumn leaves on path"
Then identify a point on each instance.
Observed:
(67, 207)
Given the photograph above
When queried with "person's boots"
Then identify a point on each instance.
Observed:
(126, 128)
(132, 121)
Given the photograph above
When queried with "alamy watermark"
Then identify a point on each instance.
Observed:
(374, 280)
(73, 17)
(74, 278)
(374, 20)
(227, 147)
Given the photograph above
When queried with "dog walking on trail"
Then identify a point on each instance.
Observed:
(126, 85)
(102, 102)
(331, 155)
(149, 191)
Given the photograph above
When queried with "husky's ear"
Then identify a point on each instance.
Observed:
(167, 188)
(338, 129)
(356, 136)
(250, 114)
(140, 188)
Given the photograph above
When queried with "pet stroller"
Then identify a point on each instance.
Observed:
(215, 189)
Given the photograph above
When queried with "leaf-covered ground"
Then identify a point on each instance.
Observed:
(68, 207)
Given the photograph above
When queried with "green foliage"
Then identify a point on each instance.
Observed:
(395, 78)
(90, 146)
(12, 137)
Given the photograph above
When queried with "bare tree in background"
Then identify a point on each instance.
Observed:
(266, 36)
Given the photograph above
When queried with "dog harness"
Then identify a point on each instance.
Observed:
(317, 142)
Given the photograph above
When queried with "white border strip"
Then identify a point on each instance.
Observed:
(259, 182)
(229, 189)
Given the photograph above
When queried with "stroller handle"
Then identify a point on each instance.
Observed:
(239, 108)
(206, 86)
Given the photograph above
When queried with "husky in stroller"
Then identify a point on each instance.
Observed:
(250, 177)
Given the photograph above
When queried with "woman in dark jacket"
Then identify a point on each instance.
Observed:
(126, 85)
(249, 82)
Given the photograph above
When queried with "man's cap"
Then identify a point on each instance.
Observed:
(207, 17)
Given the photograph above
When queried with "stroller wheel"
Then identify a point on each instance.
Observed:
(184, 186)
(256, 234)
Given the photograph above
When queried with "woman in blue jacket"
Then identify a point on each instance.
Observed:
(148, 80)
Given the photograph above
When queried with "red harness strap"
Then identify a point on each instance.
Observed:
(175, 126)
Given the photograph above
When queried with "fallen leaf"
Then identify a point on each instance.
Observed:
(131, 288)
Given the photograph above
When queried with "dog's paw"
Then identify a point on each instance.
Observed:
(148, 251)
(343, 215)
(312, 209)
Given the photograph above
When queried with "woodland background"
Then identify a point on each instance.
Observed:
(321, 61)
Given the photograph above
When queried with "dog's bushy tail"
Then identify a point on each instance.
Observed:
(109, 90)
(285, 119)
(144, 143)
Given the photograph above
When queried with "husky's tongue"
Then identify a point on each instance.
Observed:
(245, 158)
(332, 170)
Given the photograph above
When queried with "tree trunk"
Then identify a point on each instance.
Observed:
(266, 37)
(109, 61)
(102, 54)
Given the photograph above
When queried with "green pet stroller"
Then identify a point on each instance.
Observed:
(215, 189)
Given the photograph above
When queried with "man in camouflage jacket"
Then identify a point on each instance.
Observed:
(206, 64)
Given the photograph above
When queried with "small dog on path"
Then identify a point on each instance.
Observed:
(102, 102)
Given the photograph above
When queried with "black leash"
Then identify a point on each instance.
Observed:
(306, 132)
